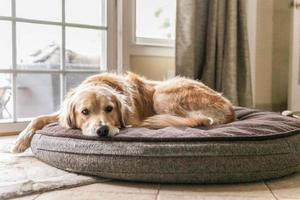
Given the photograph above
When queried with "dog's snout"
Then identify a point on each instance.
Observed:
(103, 131)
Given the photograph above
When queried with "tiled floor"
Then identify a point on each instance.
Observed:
(284, 189)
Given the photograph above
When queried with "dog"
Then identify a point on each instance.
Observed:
(105, 103)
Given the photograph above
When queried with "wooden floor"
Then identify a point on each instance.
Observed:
(287, 188)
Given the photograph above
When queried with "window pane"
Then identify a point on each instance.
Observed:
(5, 45)
(92, 12)
(6, 105)
(38, 46)
(39, 9)
(74, 79)
(85, 48)
(37, 94)
(5, 8)
(155, 19)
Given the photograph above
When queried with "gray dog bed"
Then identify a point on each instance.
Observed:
(258, 146)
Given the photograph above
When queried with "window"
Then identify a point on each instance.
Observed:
(48, 47)
(148, 28)
(155, 22)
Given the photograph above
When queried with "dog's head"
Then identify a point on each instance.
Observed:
(97, 110)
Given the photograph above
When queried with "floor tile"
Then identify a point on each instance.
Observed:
(288, 198)
(125, 187)
(286, 187)
(30, 197)
(94, 196)
(224, 191)
(104, 191)
(205, 197)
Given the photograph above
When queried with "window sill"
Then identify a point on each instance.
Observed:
(154, 42)
(152, 50)
(152, 47)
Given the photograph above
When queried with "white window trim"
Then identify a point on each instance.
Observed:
(9, 126)
(141, 46)
(140, 41)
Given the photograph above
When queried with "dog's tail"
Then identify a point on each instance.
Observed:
(165, 120)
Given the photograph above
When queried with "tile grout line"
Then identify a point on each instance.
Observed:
(270, 190)
(37, 196)
(158, 190)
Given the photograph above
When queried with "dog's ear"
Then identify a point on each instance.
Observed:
(123, 109)
(67, 116)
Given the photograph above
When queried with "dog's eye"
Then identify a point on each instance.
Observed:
(108, 109)
(85, 111)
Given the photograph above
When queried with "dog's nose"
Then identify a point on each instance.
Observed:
(103, 131)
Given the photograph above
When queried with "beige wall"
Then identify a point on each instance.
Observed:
(263, 54)
(272, 54)
(252, 18)
(153, 67)
(281, 53)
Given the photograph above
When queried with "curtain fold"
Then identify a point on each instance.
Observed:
(212, 45)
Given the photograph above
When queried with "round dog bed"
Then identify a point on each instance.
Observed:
(257, 146)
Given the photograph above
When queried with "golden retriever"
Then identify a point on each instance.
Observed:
(103, 104)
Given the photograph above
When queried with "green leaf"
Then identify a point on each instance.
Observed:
(158, 12)
(166, 23)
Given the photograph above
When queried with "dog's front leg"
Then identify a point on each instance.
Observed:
(24, 138)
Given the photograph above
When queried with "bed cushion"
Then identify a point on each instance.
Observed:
(257, 146)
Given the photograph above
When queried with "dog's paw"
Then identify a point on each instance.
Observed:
(208, 121)
(19, 147)
(211, 121)
(22, 143)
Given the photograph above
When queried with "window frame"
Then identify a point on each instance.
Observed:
(14, 124)
(133, 45)
(155, 42)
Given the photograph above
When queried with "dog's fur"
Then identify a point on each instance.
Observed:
(120, 101)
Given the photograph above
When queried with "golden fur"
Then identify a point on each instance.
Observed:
(113, 101)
